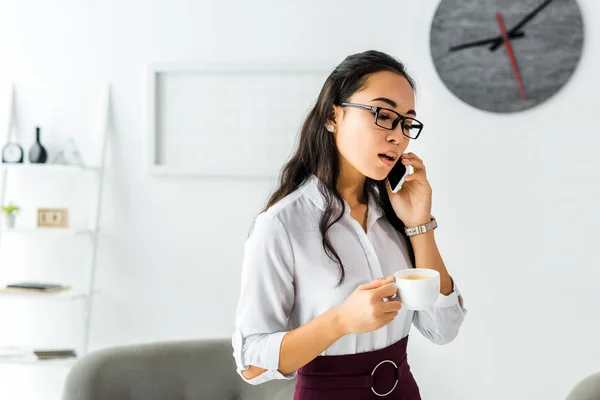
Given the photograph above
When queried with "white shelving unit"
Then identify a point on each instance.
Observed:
(72, 293)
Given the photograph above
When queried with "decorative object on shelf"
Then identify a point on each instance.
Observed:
(12, 152)
(35, 287)
(505, 56)
(69, 155)
(10, 214)
(37, 152)
(53, 218)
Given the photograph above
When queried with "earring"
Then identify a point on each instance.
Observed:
(330, 128)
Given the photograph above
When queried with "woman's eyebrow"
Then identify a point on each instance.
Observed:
(386, 100)
(393, 104)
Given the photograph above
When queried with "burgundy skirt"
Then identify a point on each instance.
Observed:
(379, 374)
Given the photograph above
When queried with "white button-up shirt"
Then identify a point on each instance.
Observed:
(288, 280)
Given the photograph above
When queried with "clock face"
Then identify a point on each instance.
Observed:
(506, 55)
(12, 153)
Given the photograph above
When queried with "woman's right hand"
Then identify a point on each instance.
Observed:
(365, 309)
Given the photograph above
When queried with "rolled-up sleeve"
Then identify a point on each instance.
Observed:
(266, 299)
(441, 323)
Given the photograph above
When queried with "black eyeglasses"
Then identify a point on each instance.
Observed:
(389, 119)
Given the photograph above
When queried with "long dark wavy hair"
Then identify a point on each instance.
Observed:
(317, 154)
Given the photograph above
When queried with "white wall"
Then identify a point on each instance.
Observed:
(515, 196)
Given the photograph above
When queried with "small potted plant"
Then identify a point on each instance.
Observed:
(10, 212)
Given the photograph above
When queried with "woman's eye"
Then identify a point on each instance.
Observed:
(384, 117)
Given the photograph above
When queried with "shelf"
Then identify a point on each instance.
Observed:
(47, 167)
(32, 360)
(64, 295)
(48, 231)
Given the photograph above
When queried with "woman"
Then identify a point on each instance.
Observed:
(317, 276)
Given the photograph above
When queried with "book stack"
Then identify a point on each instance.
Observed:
(35, 287)
(49, 354)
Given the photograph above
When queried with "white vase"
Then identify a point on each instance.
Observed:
(9, 221)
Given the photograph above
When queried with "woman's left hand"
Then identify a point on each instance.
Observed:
(412, 203)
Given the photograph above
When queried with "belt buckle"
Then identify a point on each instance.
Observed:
(395, 384)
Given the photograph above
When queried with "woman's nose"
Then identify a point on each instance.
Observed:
(396, 137)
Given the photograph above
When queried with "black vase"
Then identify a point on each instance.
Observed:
(37, 152)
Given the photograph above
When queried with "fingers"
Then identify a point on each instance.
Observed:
(414, 161)
(391, 306)
(386, 290)
(370, 285)
(412, 157)
(376, 283)
(417, 176)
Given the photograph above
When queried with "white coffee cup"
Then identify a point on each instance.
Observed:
(418, 288)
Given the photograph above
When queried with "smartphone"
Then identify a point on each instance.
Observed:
(397, 175)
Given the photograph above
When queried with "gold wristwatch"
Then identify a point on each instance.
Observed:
(421, 229)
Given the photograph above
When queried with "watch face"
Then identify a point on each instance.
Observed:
(12, 153)
(506, 55)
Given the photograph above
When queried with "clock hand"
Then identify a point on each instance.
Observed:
(511, 55)
(514, 35)
(524, 21)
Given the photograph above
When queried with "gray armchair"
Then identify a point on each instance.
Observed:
(587, 389)
(186, 370)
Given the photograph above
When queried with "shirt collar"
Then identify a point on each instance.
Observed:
(311, 190)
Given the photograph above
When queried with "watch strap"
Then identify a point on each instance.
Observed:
(421, 229)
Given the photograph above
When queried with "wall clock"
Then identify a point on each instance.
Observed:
(506, 55)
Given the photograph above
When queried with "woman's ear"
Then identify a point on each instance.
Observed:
(337, 114)
(331, 124)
